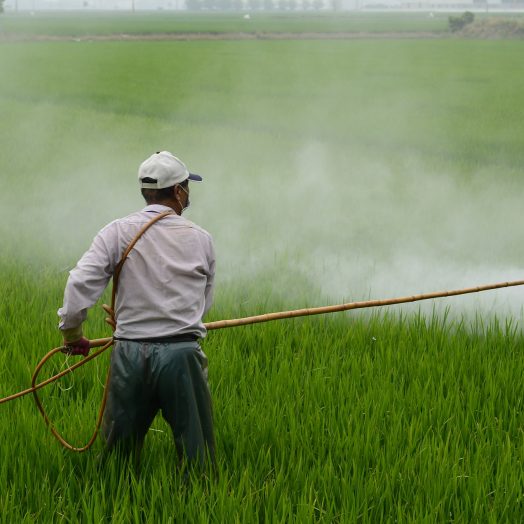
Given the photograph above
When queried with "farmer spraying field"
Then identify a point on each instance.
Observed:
(400, 412)
(165, 287)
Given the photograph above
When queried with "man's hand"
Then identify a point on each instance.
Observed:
(77, 347)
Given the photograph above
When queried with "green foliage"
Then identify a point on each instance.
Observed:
(2, 2)
(456, 23)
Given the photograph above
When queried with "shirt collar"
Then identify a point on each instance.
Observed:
(157, 208)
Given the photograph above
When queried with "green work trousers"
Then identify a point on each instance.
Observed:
(147, 377)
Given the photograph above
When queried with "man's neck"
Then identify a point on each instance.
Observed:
(173, 204)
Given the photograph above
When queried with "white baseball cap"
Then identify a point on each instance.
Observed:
(165, 169)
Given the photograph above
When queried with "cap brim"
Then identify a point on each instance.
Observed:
(196, 178)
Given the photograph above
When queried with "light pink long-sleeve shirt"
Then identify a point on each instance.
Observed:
(166, 283)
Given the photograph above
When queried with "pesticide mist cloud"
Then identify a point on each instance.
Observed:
(364, 231)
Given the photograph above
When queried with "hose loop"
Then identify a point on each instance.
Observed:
(40, 407)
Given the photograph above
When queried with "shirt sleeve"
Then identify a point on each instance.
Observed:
(210, 285)
(88, 280)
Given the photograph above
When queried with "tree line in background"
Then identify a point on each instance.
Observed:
(257, 5)
(261, 5)
(217, 5)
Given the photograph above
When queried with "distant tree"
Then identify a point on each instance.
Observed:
(254, 5)
(318, 4)
(267, 5)
(456, 23)
(307, 5)
(2, 6)
(292, 4)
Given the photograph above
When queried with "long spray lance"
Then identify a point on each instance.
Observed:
(105, 343)
(268, 317)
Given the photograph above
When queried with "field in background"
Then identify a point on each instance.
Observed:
(69, 24)
(333, 170)
(234, 25)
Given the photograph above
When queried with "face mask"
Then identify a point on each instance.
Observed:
(187, 201)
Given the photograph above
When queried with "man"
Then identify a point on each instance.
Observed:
(165, 288)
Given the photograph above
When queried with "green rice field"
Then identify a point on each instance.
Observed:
(334, 170)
